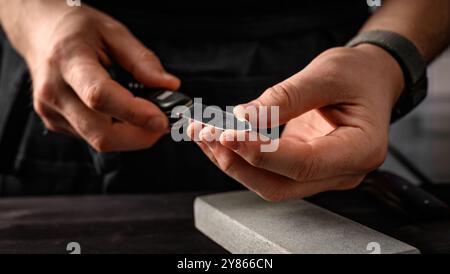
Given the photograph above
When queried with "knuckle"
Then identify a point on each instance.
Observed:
(130, 115)
(53, 128)
(281, 95)
(46, 93)
(227, 164)
(277, 93)
(95, 95)
(147, 56)
(46, 117)
(48, 124)
(39, 108)
(100, 143)
(256, 158)
(55, 54)
(114, 26)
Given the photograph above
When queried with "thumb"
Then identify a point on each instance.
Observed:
(141, 62)
(293, 97)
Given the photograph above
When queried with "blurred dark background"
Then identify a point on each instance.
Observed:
(424, 135)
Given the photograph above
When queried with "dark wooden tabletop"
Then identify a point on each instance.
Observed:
(157, 223)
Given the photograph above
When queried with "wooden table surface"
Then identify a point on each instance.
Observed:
(156, 223)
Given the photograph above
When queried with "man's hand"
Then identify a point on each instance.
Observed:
(337, 115)
(67, 50)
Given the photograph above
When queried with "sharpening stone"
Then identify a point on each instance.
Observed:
(243, 223)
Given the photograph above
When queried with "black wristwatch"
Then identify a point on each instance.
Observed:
(411, 61)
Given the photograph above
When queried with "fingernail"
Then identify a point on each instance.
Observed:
(206, 135)
(156, 124)
(239, 111)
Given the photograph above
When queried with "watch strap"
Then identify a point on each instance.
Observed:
(410, 60)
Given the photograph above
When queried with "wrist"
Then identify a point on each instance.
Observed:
(390, 69)
(13, 23)
(28, 24)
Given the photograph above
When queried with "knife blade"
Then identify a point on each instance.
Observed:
(215, 117)
(177, 105)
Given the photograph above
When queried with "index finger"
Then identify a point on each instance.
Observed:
(94, 86)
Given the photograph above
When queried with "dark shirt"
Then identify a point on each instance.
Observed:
(247, 18)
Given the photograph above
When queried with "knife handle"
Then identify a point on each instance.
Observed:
(166, 100)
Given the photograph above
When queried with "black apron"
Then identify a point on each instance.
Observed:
(31, 161)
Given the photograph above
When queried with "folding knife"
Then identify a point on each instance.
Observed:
(171, 101)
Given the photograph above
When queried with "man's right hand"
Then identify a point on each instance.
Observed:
(67, 50)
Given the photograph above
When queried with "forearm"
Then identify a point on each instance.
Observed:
(10, 14)
(8, 8)
(425, 22)
(22, 19)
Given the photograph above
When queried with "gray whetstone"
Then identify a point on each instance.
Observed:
(244, 223)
